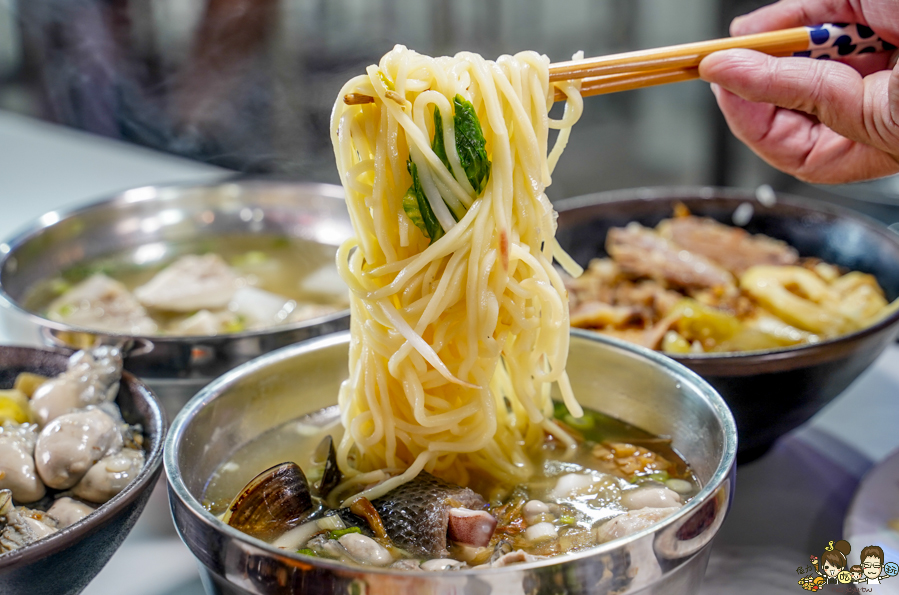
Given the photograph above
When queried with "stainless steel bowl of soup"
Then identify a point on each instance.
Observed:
(196, 279)
(259, 422)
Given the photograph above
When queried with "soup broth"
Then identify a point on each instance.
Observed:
(617, 471)
(288, 279)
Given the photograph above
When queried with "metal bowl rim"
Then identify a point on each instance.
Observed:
(213, 390)
(145, 194)
(741, 195)
(105, 512)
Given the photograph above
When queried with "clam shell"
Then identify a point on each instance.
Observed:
(274, 502)
(331, 475)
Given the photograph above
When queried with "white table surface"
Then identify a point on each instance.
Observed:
(786, 504)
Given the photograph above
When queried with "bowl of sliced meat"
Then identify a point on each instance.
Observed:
(779, 302)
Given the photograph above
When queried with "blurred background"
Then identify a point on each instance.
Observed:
(248, 84)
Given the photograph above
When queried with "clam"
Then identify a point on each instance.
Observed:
(331, 476)
(274, 502)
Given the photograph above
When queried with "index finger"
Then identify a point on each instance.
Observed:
(796, 13)
(882, 15)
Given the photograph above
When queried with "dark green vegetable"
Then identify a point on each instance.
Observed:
(471, 147)
(438, 144)
(418, 209)
(471, 144)
(338, 533)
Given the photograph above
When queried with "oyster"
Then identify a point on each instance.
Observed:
(17, 470)
(91, 378)
(72, 443)
(110, 475)
(20, 525)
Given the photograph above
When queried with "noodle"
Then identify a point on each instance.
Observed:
(459, 319)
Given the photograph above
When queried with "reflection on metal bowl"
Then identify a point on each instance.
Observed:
(769, 392)
(168, 217)
(65, 562)
(633, 384)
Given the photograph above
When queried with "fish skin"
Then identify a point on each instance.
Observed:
(416, 514)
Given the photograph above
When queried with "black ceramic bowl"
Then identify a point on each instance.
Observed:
(769, 392)
(65, 562)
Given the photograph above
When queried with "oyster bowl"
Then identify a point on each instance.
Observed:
(769, 392)
(66, 561)
(628, 382)
(153, 224)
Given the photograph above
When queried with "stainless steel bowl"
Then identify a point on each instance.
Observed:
(628, 382)
(159, 217)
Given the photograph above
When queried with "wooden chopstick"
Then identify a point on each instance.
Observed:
(672, 64)
(687, 55)
(599, 85)
(615, 83)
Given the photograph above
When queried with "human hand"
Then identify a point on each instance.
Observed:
(822, 121)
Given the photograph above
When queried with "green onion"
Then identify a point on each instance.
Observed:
(567, 519)
(341, 532)
(660, 476)
(236, 325)
(580, 423)
(307, 552)
(332, 522)
(59, 286)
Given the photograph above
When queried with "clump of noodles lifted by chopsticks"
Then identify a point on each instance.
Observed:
(459, 319)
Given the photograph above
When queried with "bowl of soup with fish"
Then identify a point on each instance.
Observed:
(195, 279)
(259, 497)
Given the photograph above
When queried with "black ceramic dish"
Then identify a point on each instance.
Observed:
(769, 392)
(65, 562)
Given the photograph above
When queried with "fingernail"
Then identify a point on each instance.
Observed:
(735, 25)
(716, 89)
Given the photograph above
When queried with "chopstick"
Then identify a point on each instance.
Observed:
(672, 64)
(686, 55)
(615, 83)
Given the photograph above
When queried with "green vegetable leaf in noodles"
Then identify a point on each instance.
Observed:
(417, 208)
(410, 206)
(438, 144)
(471, 147)
(470, 144)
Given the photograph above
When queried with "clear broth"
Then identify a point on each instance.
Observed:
(296, 269)
(296, 440)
